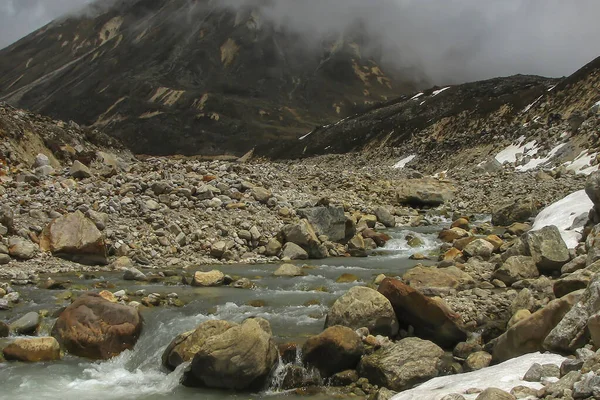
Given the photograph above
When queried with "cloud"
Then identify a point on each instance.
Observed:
(445, 41)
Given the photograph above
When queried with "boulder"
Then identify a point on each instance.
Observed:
(292, 251)
(261, 194)
(300, 233)
(479, 248)
(185, 346)
(593, 325)
(328, 221)
(79, 170)
(432, 277)
(207, 279)
(385, 217)
(336, 349)
(32, 350)
(273, 248)
(592, 188)
(134, 274)
(572, 333)
(477, 361)
(403, 364)
(576, 280)
(4, 329)
(452, 234)
(95, 328)
(528, 335)
(26, 325)
(74, 237)
(547, 248)
(516, 268)
(240, 358)
(364, 307)
(430, 318)
(379, 238)
(288, 270)
(512, 211)
(495, 394)
(424, 192)
(21, 248)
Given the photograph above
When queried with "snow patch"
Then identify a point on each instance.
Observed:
(537, 162)
(416, 96)
(581, 164)
(552, 88)
(305, 136)
(532, 104)
(503, 376)
(563, 213)
(509, 154)
(435, 93)
(402, 163)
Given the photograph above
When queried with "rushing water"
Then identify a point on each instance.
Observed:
(296, 308)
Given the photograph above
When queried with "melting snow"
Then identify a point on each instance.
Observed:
(402, 163)
(503, 376)
(536, 162)
(305, 136)
(509, 154)
(563, 213)
(552, 88)
(581, 164)
(440, 91)
(416, 96)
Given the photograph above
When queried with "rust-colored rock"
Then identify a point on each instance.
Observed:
(337, 349)
(431, 319)
(33, 350)
(95, 328)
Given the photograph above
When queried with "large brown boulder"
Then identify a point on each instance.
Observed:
(74, 237)
(240, 358)
(402, 364)
(95, 328)
(527, 336)
(364, 307)
(424, 192)
(430, 318)
(337, 349)
(32, 350)
(185, 346)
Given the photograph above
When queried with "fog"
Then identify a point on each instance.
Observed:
(448, 41)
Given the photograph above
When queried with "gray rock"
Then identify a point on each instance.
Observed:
(288, 270)
(41, 160)
(364, 307)
(515, 269)
(79, 170)
(453, 396)
(261, 194)
(547, 248)
(273, 248)
(479, 248)
(385, 217)
(292, 251)
(328, 221)
(403, 364)
(495, 394)
(21, 248)
(134, 274)
(512, 211)
(588, 386)
(4, 259)
(25, 325)
(424, 192)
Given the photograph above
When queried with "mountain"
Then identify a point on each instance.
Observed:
(192, 76)
(446, 127)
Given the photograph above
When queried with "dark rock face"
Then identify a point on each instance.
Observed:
(328, 221)
(184, 77)
(95, 328)
(337, 349)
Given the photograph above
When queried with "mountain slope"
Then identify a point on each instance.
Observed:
(190, 77)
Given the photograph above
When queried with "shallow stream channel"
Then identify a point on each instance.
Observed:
(296, 308)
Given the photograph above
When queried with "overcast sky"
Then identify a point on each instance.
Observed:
(447, 40)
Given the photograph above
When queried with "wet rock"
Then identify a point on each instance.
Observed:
(243, 283)
(364, 307)
(95, 328)
(347, 278)
(547, 248)
(430, 318)
(344, 378)
(571, 333)
(240, 358)
(402, 364)
(4, 329)
(528, 336)
(185, 346)
(21, 248)
(514, 211)
(25, 325)
(292, 251)
(207, 279)
(32, 350)
(516, 268)
(328, 221)
(134, 274)
(385, 217)
(74, 237)
(337, 349)
(288, 270)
